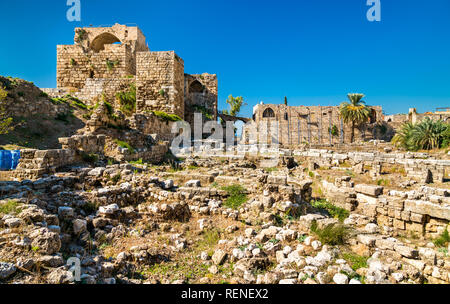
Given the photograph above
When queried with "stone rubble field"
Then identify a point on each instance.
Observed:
(212, 220)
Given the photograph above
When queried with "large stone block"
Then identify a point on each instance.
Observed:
(374, 191)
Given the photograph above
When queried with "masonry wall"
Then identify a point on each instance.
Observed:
(200, 94)
(160, 83)
(299, 125)
(416, 167)
(401, 211)
(75, 65)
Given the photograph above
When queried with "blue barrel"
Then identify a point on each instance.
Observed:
(15, 157)
(5, 160)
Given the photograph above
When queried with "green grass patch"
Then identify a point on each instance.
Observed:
(125, 145)
(355, 261)
(166, 117)
(127, 100)
(336, 212)
(332, 234)
(210, 239)
(10, 207)
(269, 170)
(443, 239)
(237, 196)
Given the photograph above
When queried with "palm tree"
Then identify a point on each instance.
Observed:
(428, 134)
(354, 112)
(403, 136)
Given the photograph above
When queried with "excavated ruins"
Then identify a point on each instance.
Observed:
(115, 200)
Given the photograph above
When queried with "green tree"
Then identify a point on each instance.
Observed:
(354, 112)
(427, 135)
(236, 103)
(5, 120)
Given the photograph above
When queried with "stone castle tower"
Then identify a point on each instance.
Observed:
(106, 60)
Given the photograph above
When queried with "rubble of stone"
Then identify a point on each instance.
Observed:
(134, 224)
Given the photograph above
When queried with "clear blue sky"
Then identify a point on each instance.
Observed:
(312, 51)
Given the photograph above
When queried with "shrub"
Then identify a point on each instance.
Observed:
(237, 196)
(332, 234)
(10, 207)
(125, 145)
(443, 239)
(205, 112)
(334, 211)
(116, 178)
(166, 117)
(5, 120)
(127, 100)
(89, 158)
(111, 64)
(81, 35)
(334, 131)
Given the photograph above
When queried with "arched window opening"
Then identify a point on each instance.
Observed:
(286, 116)
(196, 87)
(98, 44)
(269, 113)
(373, 116)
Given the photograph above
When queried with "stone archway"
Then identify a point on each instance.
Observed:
(99, 42)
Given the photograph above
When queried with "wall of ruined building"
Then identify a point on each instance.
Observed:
(425, 212)
(200, 90)
(151, 124)
(160, 83)
(398, 120)
(35, 163)
(416, 165)
(130, 35)
(298, 125)
(75, 65)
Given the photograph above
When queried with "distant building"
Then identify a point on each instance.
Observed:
(297, 125)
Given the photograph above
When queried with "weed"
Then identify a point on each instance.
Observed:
(334, 211)
(166, 117)
(10, 207)
(127, 100)
(237, 196)
(125, 145)
(443, 239)
(355, 261)
(89, 158)
(332, 234)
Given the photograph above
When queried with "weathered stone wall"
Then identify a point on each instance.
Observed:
(151, 124)
(416, 165)
(35, 163)
(160, 83)
(200, 91)
(425, 212)
(75, 65)
(299, 125)
(84, 143)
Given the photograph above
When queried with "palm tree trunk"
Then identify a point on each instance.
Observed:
(352, 137)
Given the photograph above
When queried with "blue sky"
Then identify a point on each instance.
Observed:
(312, 51)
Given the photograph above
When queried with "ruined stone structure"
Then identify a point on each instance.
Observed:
(106, 60)
(297, 125)
(414, 117)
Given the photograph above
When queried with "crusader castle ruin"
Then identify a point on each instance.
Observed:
(106, 60)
